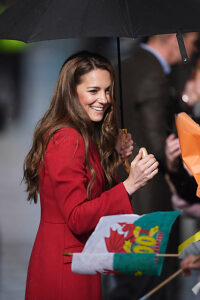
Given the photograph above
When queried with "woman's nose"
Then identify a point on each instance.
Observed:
(103, 98)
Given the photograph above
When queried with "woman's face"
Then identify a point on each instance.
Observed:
(94, 93)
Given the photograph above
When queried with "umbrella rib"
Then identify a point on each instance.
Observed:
(31, 35)
(125, 4)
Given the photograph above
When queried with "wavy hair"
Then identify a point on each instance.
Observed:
(66, 110)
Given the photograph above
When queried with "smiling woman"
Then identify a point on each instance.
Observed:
(76, 179)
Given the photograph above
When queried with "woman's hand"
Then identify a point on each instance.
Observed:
(141, 171)
(172, 152)
(124, 146)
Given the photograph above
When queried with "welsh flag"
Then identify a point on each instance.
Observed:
(126, 244)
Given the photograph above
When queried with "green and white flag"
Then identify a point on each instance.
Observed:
(126, 244)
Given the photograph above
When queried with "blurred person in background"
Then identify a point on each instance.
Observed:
(150, 103)
(182, 184)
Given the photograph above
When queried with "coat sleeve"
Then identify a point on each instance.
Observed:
(154, 105)
(65, 161)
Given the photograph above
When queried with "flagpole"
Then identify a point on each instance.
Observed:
(168, 255)
(159, 255)
(161, 284)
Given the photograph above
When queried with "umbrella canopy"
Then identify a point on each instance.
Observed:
(37, 20)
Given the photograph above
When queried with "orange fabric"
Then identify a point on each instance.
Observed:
(189, 137)
(68, 219)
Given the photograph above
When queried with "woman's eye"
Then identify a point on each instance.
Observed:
(108, 91)
(93, 91)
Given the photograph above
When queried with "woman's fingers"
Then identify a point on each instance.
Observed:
(146, 165)
(152, 171)
(126, 152)
(137, 158)
(145, 162)
(151, 168)
(128, 137)
(125, 147)
(148, 159)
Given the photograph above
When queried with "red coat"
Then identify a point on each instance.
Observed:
(68, 219)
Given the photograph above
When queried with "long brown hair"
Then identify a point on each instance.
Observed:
(66, 110)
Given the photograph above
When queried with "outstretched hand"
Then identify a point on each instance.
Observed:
(172, 152)
(190, 262)
(142, 170)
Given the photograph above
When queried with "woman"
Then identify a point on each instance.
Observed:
(72, 164)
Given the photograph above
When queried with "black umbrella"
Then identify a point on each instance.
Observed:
(39, 20)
